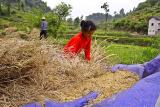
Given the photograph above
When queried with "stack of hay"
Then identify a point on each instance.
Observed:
(34, 70)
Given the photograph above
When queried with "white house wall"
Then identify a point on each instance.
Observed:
(153, 29)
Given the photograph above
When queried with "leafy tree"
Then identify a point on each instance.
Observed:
(39, 4)
(23, 6)
(8, 3)
(76, 21)
(70, 21)
(19, 4)
(44, 6)
(81, 18)
(116, 15)
(105, 6)
(152, 2)
(52, 23)
(99, 18)
(62, 11)
(141, 6)
(122, 13)
(0, 7)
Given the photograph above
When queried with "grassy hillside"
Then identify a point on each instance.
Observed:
(23, 14)
(30, 17)
(26, 4)
(137, 20)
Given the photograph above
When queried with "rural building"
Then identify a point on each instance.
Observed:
(154, 26)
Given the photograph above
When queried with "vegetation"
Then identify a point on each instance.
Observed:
(98, 17)
(62, 11)
(26, 20)
(129, 54)
(137, 20)
(24, 5)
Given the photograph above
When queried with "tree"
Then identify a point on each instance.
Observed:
(8, 3)
(105, 6)
(45, 6)
(122, 13)
(81, 18)
(70, 21)
(152, 2)
(0, 7)
(19, 4)
(62, 11)
(76, 21)
(23, 5)
(116, 15)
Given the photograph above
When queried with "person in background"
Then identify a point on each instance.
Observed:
(81, 41)
(44, 26)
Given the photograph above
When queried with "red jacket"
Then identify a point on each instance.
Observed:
(77, 43)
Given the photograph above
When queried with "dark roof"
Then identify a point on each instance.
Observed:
(155, 17)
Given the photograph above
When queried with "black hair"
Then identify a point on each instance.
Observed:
(87, 26)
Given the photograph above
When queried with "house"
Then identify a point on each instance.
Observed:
(154, 26)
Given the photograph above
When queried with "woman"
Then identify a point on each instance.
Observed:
(81, 41)
(43, 28)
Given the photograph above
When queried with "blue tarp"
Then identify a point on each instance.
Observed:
(81, 102)
(143, 94)
(76, 103)
(32, 105)
(143, 70)
(135, 68)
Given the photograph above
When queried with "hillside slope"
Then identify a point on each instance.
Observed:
(137, 20)
(28, 4)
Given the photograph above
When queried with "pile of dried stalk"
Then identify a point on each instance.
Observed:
(37, 70)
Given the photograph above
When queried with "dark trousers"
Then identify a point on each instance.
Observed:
(43, 34)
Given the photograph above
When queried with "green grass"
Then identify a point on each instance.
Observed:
(4, 23)
(129, 54)
(111, 33)
(140, 41)
(59, 41)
